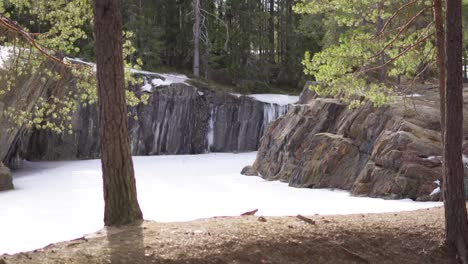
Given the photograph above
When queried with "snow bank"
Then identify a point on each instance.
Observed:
(57, 201)
(279, 99)
(161, 79)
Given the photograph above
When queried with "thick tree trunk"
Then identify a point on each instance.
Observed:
(121, 204)
(196, 38)
(456, 226)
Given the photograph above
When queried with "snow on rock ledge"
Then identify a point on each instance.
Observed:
(279, 99)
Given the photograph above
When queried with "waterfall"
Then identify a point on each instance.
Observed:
(211, 126)
(271, 112)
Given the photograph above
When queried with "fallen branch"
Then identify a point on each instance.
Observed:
(305, 219)
(249, 213)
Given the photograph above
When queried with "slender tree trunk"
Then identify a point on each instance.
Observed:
(196, 38)
(456, 226)
(271, 31)
(440, 43)
(121, 204)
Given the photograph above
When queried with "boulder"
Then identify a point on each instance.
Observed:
(6, 182)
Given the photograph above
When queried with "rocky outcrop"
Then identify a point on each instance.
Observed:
(6, 182)
(380, 152)
(178, 119)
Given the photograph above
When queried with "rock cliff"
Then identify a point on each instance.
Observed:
(178, 119)
(392, 151)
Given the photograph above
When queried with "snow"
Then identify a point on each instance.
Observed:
(160, 82)
(415, 95)
(279, 99)
(5, 53)
(57, 201)
(435, 191)
(465, 159)
(147, 87)
(433, 158)
(162, 79)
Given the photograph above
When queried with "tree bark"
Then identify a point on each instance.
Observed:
(456, 226)
(120, 196)
(196, 38)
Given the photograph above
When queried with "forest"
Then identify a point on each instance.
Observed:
(233, 131)
(257, 46)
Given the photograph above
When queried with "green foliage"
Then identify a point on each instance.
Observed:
(61, 27)
(366, 58)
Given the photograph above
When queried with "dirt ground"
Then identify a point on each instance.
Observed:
(404, 237)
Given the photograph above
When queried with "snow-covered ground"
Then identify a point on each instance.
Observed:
(57, 201)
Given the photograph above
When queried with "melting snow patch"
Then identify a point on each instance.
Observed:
(279, 99)
(168, 79)
(147, 87)
(5, 53)
(435, 191)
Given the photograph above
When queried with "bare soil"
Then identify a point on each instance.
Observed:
(404, 237)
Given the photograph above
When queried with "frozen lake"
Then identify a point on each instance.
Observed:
(57, 201)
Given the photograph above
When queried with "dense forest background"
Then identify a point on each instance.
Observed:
(257, 45)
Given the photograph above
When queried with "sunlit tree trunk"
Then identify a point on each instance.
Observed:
(121, 204)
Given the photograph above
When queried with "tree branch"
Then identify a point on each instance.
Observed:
(394, 15)
(12, 26)
(400, 31)
(406, 50)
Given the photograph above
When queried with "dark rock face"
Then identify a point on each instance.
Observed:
(386, 152)
(27, 90)
(178, 119)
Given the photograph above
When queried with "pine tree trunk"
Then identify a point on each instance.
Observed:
(456, 226)
(121, 204)
(196, 38)
(271, 31)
